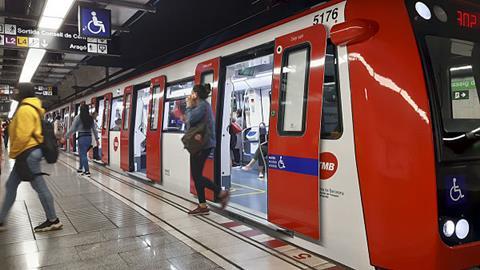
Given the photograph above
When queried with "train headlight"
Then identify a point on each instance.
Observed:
(462, 229)
(440, 14)
(448, 228)
(423, 10)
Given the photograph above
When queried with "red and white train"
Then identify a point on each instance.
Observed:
(371, 112)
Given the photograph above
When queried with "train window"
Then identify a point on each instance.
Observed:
(116, 114)
(332, 127)
(293, 90)
(207, 77)
(464, 93)
(105, 114)
(175, 109)
(154, 108)
(179, 89)
(456, 74)
(126, 116)
(175, 105)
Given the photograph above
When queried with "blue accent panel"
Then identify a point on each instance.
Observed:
(307, 166)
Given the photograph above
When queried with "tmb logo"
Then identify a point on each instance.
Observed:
(115, 144)
(328, 165)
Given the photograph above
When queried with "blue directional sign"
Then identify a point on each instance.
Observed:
(94, 22)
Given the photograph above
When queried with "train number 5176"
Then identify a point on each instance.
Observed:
(326, 16)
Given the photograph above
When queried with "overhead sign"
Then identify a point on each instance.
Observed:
(70, 42)
(6, 89)
(42, 90)
(94, 22)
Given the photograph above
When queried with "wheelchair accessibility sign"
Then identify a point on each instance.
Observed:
(456, 189)
(94, 22)
(293, 164)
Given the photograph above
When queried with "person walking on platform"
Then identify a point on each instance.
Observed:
(5, 133)
(84, 125)
(199, 112)
(25, 139)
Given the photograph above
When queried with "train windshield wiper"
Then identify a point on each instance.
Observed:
(471, 135)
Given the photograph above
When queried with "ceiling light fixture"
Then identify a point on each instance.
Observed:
(52, 18)
(34, 57)
(54, 13)
(50, 23)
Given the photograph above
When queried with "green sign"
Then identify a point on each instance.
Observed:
(457, 95)
(461, 88)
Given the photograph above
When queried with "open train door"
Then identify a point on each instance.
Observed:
(93, 108)
(154, 129)
(208, 72)
(106, 127)
(126, 157)
(294, 141)
(70, 120)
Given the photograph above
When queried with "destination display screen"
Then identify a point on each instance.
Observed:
(468, 19)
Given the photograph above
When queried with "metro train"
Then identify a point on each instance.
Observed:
(370, 113)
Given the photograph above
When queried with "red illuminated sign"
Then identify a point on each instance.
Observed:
(468, 19)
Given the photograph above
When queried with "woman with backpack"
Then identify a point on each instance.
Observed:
(84, 125)
(199, 113)
(27, 136)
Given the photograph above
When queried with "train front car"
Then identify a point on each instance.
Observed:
(416, 116)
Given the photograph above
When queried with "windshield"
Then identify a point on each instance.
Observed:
(456, 65)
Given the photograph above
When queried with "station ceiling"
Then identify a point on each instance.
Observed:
(150, 33)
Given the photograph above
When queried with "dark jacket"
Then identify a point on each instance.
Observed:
(202, 112)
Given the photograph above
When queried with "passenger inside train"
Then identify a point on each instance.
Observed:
(247, 90)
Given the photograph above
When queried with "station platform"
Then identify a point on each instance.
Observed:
(112, 221)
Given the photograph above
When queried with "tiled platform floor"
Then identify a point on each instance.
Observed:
(100, 232)
(114, 222)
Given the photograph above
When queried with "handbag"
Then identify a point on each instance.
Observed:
(192, 145)
(235, 128)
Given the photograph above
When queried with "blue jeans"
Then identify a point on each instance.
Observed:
(84, 143)
(38, 184)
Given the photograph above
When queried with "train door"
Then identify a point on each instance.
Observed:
(208, 72)
(93, 110)
(245, 126)
(98, 125)
(74, 135)
(294, 146)
(115, 131)
(70, 121)
(125, 157)
(134, 132)
(154, 129)
(107, 99)
(175, 174)
(65, 113)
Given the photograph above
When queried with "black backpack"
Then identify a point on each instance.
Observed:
(49, 146)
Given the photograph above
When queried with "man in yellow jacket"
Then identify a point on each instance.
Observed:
(25, 138)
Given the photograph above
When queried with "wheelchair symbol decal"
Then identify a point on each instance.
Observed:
(95, 26)
(455, 191)
(280, 163)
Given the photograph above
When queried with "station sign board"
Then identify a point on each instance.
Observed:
(18, 36)
(6, 89)
(94, 22)
(44, 90)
